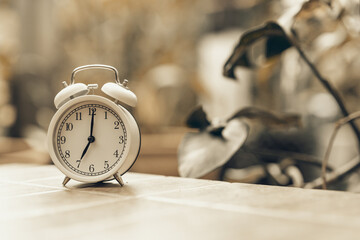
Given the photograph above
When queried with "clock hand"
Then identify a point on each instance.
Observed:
(85, 150)
(91, 138)
(92, 123)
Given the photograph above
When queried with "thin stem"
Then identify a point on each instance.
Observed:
(328, 86)
(342, 107)
(337, 174)
(338, 125)
(327, 154)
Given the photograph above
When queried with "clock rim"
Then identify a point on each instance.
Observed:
(134, 147)
(128, 125)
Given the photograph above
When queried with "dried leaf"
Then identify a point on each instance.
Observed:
(217, 131)
(268, 118)
(314, 18)
(277, 42)
(197, 119)
(275, 45)
(200, 153)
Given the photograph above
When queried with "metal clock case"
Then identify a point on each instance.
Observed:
(92, 138)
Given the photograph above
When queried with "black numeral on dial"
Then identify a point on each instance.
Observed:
(116, 123)
(121, 139)
(116, 153)
(91, 110)
(78, 116)
(67, 153)
(91, 168)
(69, 127)
(106, 164)
(62, 139)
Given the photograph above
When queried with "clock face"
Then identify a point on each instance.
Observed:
(90, 138)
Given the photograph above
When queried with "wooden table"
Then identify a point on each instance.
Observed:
(34, 205)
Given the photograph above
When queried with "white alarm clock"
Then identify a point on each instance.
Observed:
(92, 138)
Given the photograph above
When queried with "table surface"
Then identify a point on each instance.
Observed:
(34, 205)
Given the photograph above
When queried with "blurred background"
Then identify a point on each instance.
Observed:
(173, 53)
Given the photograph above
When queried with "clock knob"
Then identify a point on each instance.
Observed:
(70, 92)
(120, 92)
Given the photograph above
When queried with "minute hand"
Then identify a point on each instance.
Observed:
(91, 138)
(92, 123)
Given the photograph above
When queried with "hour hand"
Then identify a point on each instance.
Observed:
(85, 150)
(91, 139)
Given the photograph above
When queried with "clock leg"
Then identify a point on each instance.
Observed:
(66, 180)
(119, 179)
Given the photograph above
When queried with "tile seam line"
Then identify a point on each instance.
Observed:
(31, 183)
(265, 212)
(30, 194)
(109, 194)
(149, 194)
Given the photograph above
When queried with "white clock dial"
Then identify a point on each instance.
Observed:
(90, 138)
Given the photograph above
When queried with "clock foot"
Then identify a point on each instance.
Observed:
(119, 179)
(66, 180)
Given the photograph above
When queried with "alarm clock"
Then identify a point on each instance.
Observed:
(92, 138)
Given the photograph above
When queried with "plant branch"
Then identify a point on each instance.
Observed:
(338, 125)
(328, 87)
(347, 118)
(335, 175)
